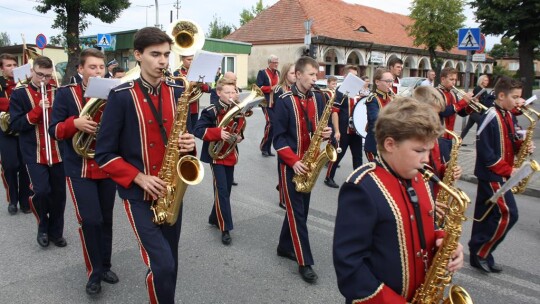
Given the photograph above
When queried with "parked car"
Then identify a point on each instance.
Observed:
(408, 84)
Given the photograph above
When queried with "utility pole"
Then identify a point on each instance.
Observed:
(157, 15)
(177, 6)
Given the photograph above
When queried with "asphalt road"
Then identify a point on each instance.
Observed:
(248, 270)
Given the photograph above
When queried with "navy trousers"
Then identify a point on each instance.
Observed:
(294, 233)
(49, 199)
(347, 140)
(93, 200)
(266, 142)
(194, 117)
(221, 211)
(159, 250)
(14, 174)
(489, 233)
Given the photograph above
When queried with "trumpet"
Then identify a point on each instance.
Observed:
(48, 151)
(474, 103)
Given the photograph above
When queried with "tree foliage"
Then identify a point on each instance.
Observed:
(517, 20)
(435, 26)
(4, 39)
(218, 29)
(507, 48)
(70, 18)
(247, 15)
(58, 40)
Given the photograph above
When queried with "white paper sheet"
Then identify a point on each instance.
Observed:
(100, 87)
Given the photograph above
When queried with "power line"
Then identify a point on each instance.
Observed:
(10, 9)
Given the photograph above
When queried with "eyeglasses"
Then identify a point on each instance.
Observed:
(388, 80)
(274, 61)
(41, 75)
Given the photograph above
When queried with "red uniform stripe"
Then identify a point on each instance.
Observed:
(290, 215)
(502, 226)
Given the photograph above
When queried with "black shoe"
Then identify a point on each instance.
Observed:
(26, 211)
(495, 268)
(265, 154)
(93, 288)
(226, 238)
(59, 242)
(282, 206)
(212, 222)
(109, 277)
(308, 274)
(271, 154)
(43, 239)
(12, 209)
(331, 183)
(234, 183)
(480, 263)
(285, 254)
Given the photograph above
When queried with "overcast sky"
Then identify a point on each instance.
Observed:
(20, 17)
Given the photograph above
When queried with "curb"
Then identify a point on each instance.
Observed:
(528, 191)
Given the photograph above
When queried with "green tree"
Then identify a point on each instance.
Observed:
(218, 29)
(517, 20)
(246, 15)
(4, 39)
(507, 48)
(435, 27)
(58, 40)
(70, 18)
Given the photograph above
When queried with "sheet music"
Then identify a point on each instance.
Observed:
(351, 85)
(204, 66)
(22, 73)
(100, 87)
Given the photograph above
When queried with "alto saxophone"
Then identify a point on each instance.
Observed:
(523, 153)
(448, 178)
(314, 158)
(177, 170)
(437, 276)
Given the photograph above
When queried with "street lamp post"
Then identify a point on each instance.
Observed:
(147, 7)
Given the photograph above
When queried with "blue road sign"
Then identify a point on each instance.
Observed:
(41, 41)
(469, 39)
(104, 40)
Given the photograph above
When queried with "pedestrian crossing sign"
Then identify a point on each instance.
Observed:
(469, 39)
(104, 40)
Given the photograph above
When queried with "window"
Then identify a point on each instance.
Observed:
(513, 66)
(228, 64)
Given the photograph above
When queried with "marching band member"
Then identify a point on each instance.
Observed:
(183, 71)
(266, 80)
(395, 66)
(496, 147)
(474, 117)
(14, 174)
(343, 133)
(453, 106)
(28, 107)
(378, 99)
(130, 147)
(92, 191)
(286, 79)
(384, 238)
(110, 67)
(223, 170)
(296, 117)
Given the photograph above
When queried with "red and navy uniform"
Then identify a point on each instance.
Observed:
(377, 250)
(453, 106)
(14, 174)
(92, 191)
(439, 156)
(222, 170)
(48, 183)
(496, 147)
(292, 138)
(344, 107)
(396, 84)
(129, 141)
(266, 80)
(194, 106)
(374, 103)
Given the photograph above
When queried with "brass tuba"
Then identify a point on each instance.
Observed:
(229, 123)
(84, 143)
(188, 37)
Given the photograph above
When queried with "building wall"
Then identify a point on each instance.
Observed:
(259, 56)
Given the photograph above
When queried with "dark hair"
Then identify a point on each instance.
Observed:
(379, 72)
(6, 56)
(91, 52)
(365, 77)
(506, 85)
(303, 61)
(349, 67)
(117, 69)
(148, 36)
(448, 71)
(331, 78)
(43, 62)
(393, 61)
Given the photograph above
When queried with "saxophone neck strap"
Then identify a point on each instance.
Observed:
(413, 198)
(158, 113)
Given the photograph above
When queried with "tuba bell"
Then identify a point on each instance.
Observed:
(220, 149)
(188, 37)
(84, 143)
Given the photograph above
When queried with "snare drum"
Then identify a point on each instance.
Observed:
(358, 119)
